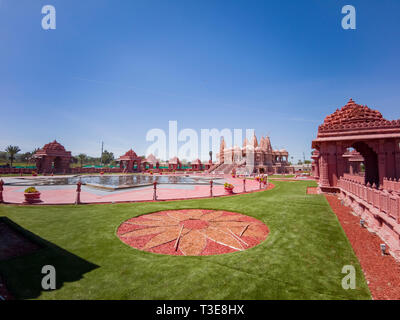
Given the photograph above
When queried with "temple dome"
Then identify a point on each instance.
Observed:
(151, 159)
(174, 160)
(197, 161)
(53, 146)
(130, 153)
(351, 113)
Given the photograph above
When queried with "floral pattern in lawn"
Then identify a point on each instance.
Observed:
(192, 232)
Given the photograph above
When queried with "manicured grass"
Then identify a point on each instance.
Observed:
(281, 176)
(302, 257)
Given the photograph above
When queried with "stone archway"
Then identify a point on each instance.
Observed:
(52, 154)
(57, 165)
(370, 162)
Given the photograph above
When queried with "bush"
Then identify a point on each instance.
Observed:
(31, 190)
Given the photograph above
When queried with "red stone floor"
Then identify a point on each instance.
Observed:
(381, 272)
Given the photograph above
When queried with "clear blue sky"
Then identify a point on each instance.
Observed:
(112, 70)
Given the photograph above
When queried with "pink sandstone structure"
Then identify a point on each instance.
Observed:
(174, 164)
(52, 158)
(151, 162)
(130, 162)
(197, 165)
(252, 157)
(353, 135)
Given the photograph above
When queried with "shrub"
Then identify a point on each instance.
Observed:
(31, 190)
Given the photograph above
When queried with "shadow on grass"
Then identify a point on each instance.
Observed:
(23, 274)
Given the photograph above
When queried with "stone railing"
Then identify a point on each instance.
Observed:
(354, 178)
(391, 185)
(16, 170)
(383, 200)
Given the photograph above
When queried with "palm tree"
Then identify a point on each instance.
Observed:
(12, 151)
(82, 157)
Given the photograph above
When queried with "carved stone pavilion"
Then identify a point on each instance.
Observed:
(174, 164)
(52, 158)
(130, 162)
(366, 131)
(355, 135)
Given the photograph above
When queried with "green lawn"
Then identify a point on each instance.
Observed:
(302, 257)
(281, 176)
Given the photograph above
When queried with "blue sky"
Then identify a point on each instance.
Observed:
(112, 70)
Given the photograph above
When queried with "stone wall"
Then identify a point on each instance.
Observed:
(379, 208)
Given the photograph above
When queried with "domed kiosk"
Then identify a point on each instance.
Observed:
(52, 158)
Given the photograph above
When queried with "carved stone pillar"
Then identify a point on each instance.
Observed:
(397, 158)
(381, 161)
(324, 171)
(340, 162)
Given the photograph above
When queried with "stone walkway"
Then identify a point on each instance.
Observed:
(66, 194)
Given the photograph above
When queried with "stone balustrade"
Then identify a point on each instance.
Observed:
(379, 208)
(383, 200)
(16, 170)
(354, 178)
(392, 185)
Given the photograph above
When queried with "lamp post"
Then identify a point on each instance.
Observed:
(78, 192)
(155, 191)
(1, 190)
(244, 184)
(211, 188)
(383, 248)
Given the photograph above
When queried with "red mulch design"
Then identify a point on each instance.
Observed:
(192, 232)
(312, 190)
(13, 244)
(381, 272)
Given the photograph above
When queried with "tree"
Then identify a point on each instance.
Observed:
(12, 151)
(82, 157)
(26, 157)
(107, 157)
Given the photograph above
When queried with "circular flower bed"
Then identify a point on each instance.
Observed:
(192, 232)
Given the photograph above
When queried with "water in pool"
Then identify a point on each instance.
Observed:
(116, 181)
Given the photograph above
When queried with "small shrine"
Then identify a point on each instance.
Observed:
(197, 165)
(130, 162)
(174, 164)
(52, 158)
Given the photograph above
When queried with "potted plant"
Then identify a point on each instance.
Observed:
(101, 173)
(34, 173)
(228, 188)
(32, 195)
